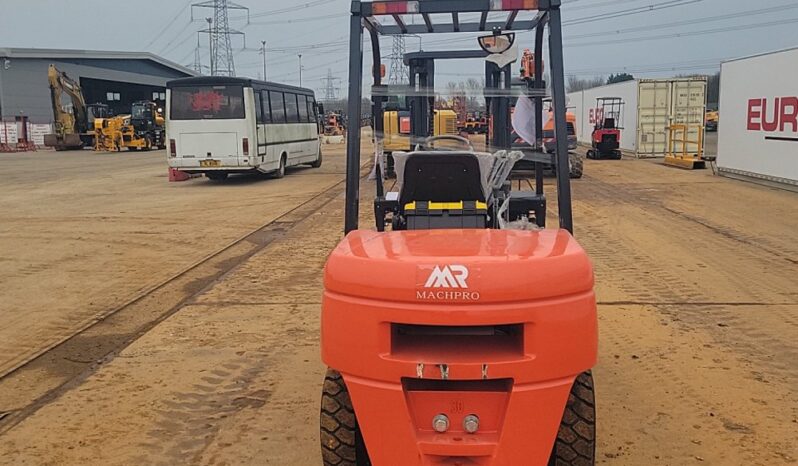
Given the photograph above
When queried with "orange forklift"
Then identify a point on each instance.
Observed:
(460, 331)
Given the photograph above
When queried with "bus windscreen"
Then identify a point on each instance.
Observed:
(207, 103)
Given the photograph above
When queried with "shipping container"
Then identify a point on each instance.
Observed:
(758, 131)
(650, 107)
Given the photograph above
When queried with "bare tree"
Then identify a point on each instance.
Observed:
(576, 83)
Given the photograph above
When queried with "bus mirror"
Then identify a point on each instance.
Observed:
(321, 109)
(496, 44)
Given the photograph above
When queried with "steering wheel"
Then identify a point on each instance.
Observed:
(429, 143)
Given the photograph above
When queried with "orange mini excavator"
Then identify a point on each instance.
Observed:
(460, 331)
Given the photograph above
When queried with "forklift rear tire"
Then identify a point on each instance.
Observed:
(317, 163)
(341, 441)
(576, 439)
(618, 155)
(575, 166)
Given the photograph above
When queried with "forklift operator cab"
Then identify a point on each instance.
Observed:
(466, 333)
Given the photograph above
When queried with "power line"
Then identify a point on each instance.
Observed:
(166, 47)
(176, 46)
(289, 9)
(300, 20)
(168, 25)
(677, 35)
(760, 11)
(630, 11)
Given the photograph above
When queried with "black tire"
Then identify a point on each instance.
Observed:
(216, 176)
(317, 163)
(618, 155)
(280, 173)
(341, 441)
(576, 166)
(576, 439)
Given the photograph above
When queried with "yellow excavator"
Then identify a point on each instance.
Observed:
(73, 122)
(397, 128)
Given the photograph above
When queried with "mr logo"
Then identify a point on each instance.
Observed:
(450, 276)
(447, 283)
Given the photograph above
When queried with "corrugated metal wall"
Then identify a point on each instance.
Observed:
(24, 89)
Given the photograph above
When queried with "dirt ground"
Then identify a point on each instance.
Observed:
(84, 233)
(698, 308)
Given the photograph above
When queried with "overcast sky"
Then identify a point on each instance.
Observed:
(706, 32)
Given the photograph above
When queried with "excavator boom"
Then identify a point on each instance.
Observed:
(68, 124)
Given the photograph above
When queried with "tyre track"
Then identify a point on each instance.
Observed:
(79, 355)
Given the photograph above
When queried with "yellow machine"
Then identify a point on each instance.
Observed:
(397, 128)
(108, 133)
(684, 152)
(74, 121)
(143, 129)
(712, 119)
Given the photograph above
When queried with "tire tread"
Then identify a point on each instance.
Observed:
(339, 430)
(576, 439)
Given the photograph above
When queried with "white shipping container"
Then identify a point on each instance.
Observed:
(589, 111)
(758, 131)
(651, 106)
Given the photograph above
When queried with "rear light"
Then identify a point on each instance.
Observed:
(246, 146)
(394, 8)
(172, 148)
(505, 5)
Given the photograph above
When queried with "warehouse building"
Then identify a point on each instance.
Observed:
(114, 78)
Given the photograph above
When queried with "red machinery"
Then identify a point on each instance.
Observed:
(465, 335)
(606, 137)
(528, 65)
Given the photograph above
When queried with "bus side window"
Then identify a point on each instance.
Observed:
(303, 108)
(267, 111)
(258, 108)
(310, 104)
(291, 108)
(278, 106)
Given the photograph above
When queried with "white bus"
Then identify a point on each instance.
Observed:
(221, 125)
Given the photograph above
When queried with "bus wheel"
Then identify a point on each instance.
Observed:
(281, 171)
(317, 163)
(216, 176)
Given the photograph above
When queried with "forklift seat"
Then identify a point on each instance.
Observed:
(609, 123)
(442, 177)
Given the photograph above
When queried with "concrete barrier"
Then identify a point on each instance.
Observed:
(333, 139)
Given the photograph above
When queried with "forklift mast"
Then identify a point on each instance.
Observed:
(364, 16)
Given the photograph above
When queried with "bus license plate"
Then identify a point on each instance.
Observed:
(210, 163)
